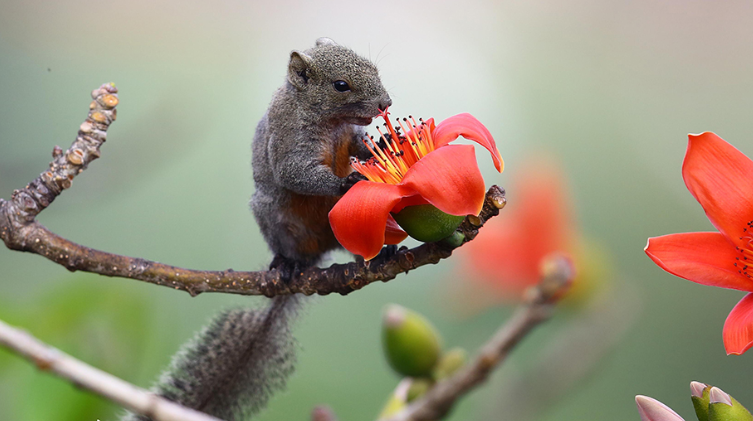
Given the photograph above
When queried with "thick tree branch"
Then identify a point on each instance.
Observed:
(135, 399)
(20, 231)
(537, 308)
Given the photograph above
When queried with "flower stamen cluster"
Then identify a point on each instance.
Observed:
(391, 162)
(746, 251)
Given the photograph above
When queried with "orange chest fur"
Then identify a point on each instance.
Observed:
(337, 157)
(313, 211)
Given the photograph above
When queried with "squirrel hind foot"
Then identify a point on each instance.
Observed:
(288, 268)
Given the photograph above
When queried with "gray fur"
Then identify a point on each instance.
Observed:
(325, 41)
(232, 367)
(307, 120)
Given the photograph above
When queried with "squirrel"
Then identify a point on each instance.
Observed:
(302, 150)
(301, 165)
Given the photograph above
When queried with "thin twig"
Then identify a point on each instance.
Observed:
(565, 362)
(20, 231)
(537, 308)
(135, 399)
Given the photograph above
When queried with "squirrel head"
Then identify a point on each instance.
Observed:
(338, 83)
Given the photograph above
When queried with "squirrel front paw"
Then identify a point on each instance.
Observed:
(351, 181)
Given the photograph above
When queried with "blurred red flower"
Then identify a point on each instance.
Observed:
(720, 177)
(505, 258)
(414, 168)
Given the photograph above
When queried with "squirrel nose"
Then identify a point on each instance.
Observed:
(384, 103)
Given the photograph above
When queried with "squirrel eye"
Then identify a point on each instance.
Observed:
(341, 86)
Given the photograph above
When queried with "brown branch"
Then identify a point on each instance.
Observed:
(20, 231)
(537, 308)
(135, 399)
(565, 364)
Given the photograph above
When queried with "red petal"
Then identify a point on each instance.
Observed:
(393, 234)
(706, 258)
(719, 177)
(409, 201)
(449, 179)
(470, 128)
(738, 329)
(359, 219)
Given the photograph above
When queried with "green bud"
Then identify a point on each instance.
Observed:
(394, 405)
(449, 363)
(699, 394)
(418, 387)
(411, 343)
(427, 223)
(398, 400)
(723, 407)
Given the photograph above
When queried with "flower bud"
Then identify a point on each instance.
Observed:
(322, 413)
(557, 274)
(723, 407)
(427, 223)
(652, 410)
(398, 400)
(411, 343)
(394, 405)
(449, 363)
(699, 394)
(418, 388)
(594, 272)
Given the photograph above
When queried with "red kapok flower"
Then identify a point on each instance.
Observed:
(416, 168)
(514, 251)
(719, 177)
(505, 258)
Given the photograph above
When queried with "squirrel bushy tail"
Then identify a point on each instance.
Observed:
(234, 365)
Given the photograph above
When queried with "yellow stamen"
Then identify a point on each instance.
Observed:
(392, 166)
(414, 142)
(421, 140)
(393, 147)
(426, 131)
(390, 163)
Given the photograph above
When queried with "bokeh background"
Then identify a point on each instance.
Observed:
(609, 88)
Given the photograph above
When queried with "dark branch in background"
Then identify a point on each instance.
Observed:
(20, 231)
(536, 308)
(53, 361)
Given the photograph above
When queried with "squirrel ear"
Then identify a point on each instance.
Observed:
(325, 41)
(299, 69)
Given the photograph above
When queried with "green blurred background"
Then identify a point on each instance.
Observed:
(610, 88)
